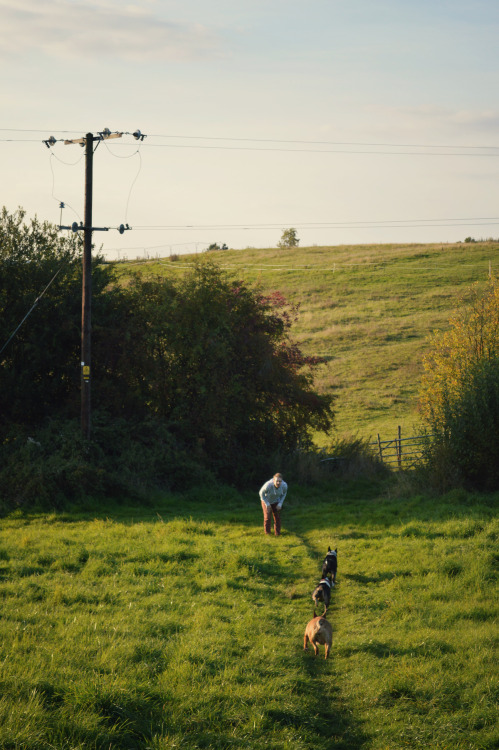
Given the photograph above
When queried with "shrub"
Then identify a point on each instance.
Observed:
(467, 440)
(460, 395)
(124, 460)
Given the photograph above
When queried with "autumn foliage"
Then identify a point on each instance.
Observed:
(459, 397)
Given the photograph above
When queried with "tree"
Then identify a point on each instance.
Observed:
(40, 270)
(202, 359)
(212, 358)
(459, 396)
(216, 246)
(288, 239)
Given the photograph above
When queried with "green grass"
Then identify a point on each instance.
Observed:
(368, 310)
(181, 625)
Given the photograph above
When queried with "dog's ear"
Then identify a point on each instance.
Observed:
(328, 548)
(336, 549)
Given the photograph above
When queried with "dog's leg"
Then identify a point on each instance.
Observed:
(325, 610)
(305, 642)
(316, 648)
(327, 651)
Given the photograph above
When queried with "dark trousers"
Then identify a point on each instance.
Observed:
(267, 513)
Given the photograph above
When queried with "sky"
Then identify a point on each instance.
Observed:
(354, 122)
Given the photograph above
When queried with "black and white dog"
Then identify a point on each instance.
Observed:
(322, 594)
(330, 565)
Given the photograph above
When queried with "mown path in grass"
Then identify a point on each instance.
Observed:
(181, 625)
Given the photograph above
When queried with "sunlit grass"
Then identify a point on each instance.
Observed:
(368, 309)
(182, 625)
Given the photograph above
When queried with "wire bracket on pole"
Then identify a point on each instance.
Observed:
(79, 227)
(102, 135)
(75, 227)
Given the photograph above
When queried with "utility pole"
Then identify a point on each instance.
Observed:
(86, 293)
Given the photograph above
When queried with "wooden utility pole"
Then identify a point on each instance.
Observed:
(86, 297)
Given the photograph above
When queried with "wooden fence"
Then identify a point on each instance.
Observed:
(402, 452)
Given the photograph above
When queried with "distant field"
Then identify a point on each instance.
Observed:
(181, 625)
(368, 309)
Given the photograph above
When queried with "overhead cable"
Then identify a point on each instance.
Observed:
(34, 305)
(270, 140)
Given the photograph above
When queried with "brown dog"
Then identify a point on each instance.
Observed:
(318, 630)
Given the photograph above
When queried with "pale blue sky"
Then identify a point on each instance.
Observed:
(227, 91)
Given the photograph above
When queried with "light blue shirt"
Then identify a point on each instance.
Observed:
(269, 493)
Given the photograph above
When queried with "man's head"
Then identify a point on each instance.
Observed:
(277, 480)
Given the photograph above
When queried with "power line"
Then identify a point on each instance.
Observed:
(270, 140)
(387, 224)
(34, 305)
(37, 130)
(321, 143)
(129, 156)
(371, 224)
(310, 150)
(293, 150)
(62, 204)
(317, 150)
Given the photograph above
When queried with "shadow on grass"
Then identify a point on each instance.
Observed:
(379, 578)
(382, 650)
(354, 504)
(314, 711)
(325, 709)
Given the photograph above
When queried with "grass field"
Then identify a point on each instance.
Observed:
(181, 626)
(368, 310)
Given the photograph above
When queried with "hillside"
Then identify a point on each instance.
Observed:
(367, 309)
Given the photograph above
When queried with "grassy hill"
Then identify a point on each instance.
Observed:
(367, 309)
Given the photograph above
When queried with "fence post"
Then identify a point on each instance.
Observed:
(380, 449)
(399, 448)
